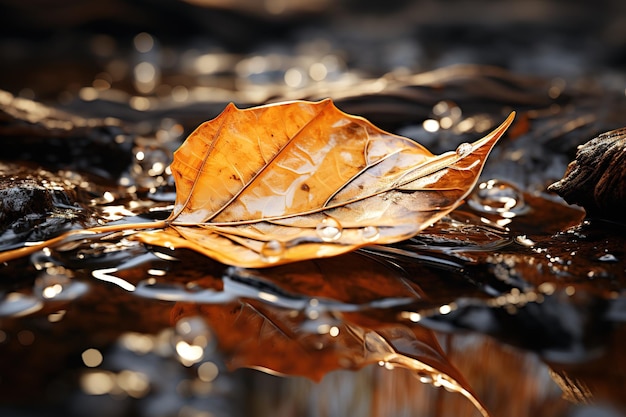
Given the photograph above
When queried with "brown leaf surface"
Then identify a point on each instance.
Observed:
(301, 180)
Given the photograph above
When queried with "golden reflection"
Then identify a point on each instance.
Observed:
(100, 84)
(503, 222)
(135, 384)
(52, 291)
(415, 317)
(92, 358)
(180, 93)
(146, 77)
(137, 342)
(430, 125)
(318, 71)
(143, 42)
(547, 288)
(140, 103)
(98, 382)
(446, 309)
(189, 354)
(269, 297)
(525, 241)
(201, 340)
(56, 317)
(88, 93)
(323, 328)
(156, 169)
(208, 371)
(313, 313)
(115, 212)
(183, 326)
(465, 125)
(294, 78)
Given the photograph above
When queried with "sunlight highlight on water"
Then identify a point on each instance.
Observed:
(498, 196)
(15, 304)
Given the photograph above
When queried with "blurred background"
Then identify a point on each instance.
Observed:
(166, 53)
(414, 67)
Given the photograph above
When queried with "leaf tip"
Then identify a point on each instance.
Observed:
(498, 132)
(507, 122)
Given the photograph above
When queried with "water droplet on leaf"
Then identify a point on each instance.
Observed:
(464, 149)
(425, 377)
(329, 230)
(370, 233)
(272, 251)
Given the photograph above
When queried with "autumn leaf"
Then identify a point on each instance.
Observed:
(301, 180)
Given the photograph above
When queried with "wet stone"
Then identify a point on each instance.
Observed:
(596, 179)
(35, 204)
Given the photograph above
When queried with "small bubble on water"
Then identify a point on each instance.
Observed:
(272, 251)
(608, 257)
(597, 272)
(43, 259)
(16, 304)
(497, 196)
(464, 149)
(524, 241)
(57, 284)
(425, 377)
(370, 233)
(329, 230)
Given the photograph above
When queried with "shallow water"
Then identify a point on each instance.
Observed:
(514, 301)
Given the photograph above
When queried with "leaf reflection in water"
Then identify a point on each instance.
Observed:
(311, 318)
(303, 319)
(285, 346)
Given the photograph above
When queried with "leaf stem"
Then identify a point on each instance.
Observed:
(78, 234)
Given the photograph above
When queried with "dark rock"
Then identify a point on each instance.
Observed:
(36, 204)
(596, 179)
